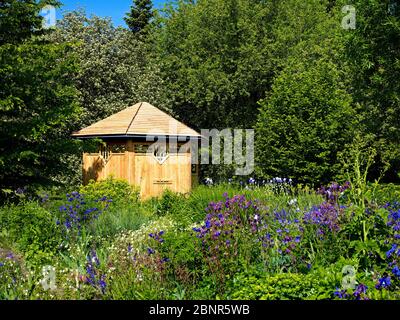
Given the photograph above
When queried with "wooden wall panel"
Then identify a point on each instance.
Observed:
(142, 170)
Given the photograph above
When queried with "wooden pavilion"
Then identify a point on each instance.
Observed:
(144, 146)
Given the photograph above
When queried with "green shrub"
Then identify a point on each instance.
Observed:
(116, 189)
(32, 228)
(282, 286)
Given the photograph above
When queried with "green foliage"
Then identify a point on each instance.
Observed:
(216, 59)
(309, 116)
(117, 189)
(38, 103)
(140, 15)
(38, 98)
(286, 286)
(116, 69)
(32, 229)
(20, 19)
(372, 50)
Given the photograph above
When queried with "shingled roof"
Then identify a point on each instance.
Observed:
(139, 120)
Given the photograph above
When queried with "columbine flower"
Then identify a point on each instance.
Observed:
(391, 250)
(341, 294)
(361, 289)
(383, 283)
(396, 271)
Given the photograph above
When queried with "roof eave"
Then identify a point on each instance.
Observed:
(126, 136)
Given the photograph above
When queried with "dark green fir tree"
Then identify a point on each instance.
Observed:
(140, 15)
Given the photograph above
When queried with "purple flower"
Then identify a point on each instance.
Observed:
(361, 289)
(341, 294)
(150, 251)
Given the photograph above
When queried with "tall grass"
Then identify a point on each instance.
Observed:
(123, 216)
(186, 209)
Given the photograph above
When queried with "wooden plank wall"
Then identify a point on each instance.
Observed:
(154, 178)
(143, 170)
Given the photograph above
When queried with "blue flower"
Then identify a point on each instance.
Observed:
(102, 284)
(391, 250)
(383, 283)
(150, 251)
(396, 271)
(1, 264)
(341, 294)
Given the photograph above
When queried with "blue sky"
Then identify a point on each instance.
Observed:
(115, 9)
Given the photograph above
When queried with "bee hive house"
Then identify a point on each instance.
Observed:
(134, 150)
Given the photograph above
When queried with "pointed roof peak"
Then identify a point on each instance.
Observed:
(141, 119)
